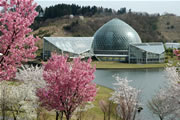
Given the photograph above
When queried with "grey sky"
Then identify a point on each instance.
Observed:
(153, 6)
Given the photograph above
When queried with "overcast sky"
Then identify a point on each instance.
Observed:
(153, 6)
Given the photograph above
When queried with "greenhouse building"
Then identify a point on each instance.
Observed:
(71, 46)
(114, 41)
(146, 53)
(172, 45)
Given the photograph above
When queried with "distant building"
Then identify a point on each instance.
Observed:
(172, 45)
(71, 16)
(114, 41)
(146, 53)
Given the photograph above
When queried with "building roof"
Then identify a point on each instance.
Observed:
(75, 45)
(115, 35)
(157, 48)
(172, 45)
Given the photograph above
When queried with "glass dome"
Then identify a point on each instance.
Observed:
(114, 35)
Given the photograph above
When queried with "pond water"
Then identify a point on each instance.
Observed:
(149, 81)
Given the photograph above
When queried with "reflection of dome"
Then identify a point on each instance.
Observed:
(115, 35)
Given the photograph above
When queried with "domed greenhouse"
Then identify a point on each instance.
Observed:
(114, 38)
(115, 35)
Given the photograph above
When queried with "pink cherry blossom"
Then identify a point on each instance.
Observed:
(16, 44)
(68, 84)
(177, 53)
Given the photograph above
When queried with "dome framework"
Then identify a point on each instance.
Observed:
(114, 38)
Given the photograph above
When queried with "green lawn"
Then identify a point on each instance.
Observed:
(95, 113)
(118, 65)
(174, 60)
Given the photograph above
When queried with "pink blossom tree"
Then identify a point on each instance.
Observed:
(16, 45)
(68, 84)
(177, 53)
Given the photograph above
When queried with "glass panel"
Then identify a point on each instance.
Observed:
(75, 45)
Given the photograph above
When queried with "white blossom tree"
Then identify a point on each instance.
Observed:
(163, 105)
(126, 97)
(31, 75)
(166, 103)
(82, 109)
(173, 88)
(104, 107)
(173, 75)
(4, 99)
(23, 100)
(20, 100)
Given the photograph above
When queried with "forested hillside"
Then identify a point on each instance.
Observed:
(169, 26)
(74, 20)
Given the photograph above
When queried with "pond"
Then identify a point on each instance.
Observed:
(149, 81)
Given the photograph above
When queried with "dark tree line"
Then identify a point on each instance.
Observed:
(122, 10)
(65, 9)
(61, 10)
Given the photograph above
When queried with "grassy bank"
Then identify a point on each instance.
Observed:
(96, 113)
(117, 65)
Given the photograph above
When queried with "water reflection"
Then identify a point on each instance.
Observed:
(149, 81)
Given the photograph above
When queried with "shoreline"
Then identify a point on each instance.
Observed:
(117, 65)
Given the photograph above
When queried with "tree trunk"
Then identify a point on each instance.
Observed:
(80, 115)
(3, 111)
(161, 118)
(109, 111)
(134, 116)
(3, 115)
(104, 116)
(68, 116)
(61, 116)
(14, 117)
(57, 115)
